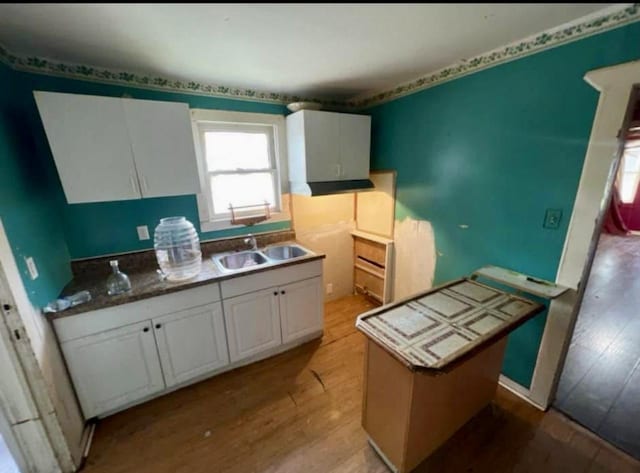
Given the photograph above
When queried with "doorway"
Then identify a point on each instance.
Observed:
(600, 383)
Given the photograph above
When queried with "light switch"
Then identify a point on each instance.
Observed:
(31, 266)
(143, 232)
(552, 218)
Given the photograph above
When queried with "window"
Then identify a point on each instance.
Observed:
(629, 176)
(239, 159)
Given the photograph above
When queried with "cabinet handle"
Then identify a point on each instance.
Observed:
(158, 325)
(281, 292)
(275, 293)
(146, 329)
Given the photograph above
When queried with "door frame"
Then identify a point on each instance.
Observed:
(26, 403)
(616, 85)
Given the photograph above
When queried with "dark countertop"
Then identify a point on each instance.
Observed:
(146, 282)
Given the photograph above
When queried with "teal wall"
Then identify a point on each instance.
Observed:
(31, 200)
(110, 227)
(493, 150)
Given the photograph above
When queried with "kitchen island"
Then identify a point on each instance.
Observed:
(431, 363)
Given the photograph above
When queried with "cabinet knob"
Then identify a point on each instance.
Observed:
(281, 292)
(158, 325)
(275, 293)
(146, 329)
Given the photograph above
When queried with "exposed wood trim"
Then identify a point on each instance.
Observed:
(616, 85)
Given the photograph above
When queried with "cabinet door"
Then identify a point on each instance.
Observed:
(301, 308)
(355, 146)
(191, 343)
(90, 144)
(322, 152)
(163, 147)
(253, 323)
(114, 368)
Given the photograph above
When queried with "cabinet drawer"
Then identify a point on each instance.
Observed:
(370, 250)
(270, 278)
(367, 283)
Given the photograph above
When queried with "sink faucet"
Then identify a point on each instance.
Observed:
(251, 240)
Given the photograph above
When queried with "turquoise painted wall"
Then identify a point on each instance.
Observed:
(493, 150)
(31, 200)
(110, 227)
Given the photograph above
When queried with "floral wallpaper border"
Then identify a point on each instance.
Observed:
(551, 38)
(131, 79)
(531, 45)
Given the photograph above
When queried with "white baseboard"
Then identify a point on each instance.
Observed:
(519, 390)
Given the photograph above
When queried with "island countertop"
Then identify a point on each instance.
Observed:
(146, 282)
(435, 329)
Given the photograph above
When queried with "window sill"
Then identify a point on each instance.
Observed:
(225, 224)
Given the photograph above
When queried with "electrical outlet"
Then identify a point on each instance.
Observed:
(31, 266)
(330, 288)
(143, 232)
(552, 218)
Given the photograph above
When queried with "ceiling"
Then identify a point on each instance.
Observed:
(337, 51)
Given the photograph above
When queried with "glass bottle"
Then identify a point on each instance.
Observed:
(118, 282)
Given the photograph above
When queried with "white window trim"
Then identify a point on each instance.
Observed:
(207, 223)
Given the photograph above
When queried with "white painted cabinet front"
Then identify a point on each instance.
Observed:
(355, 146)
(90, 144)
(328, 146)
(301, 308)
(163, 147)
(110, 148)
(253, 323)
(191, 343)
(114, 368)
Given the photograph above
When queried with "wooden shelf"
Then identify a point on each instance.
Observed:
(372, 256)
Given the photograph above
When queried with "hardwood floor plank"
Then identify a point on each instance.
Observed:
(300, 411)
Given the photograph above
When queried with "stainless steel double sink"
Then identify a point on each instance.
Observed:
(238, 261)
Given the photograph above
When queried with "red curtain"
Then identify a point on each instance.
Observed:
(613, 221)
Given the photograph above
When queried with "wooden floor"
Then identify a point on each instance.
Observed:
(300, 412)
(600, 384)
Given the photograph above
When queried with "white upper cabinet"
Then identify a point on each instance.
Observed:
(328, 146)
(109, 148)
(355, 146)
(90, 145)
(163, 147)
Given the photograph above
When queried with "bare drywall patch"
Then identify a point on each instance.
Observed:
(415, 257)
(324, 224)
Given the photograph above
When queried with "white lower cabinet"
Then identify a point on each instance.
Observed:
(301, 309)
(253, 323)
(120, 355)
(265, 319)
(191, 343)
(114, 368)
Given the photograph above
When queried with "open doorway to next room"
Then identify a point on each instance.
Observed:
(600, 383)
